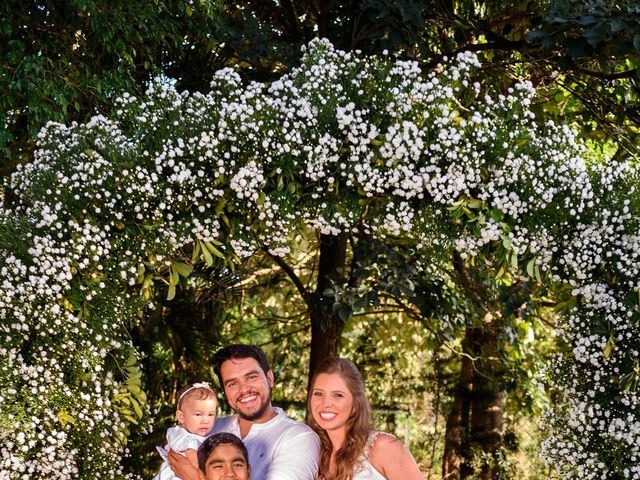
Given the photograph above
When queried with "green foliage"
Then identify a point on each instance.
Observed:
(64, 61)
(591, 29)
(71, 74)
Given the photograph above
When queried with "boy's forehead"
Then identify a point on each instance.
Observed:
(222, 450)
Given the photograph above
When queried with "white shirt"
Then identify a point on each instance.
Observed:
(280, 449)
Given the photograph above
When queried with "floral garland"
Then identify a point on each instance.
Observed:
(342, 143)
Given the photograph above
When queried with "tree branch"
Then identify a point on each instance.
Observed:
(290, 273)
(602, 75)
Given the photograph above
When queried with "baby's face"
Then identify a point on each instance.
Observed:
(197, 416)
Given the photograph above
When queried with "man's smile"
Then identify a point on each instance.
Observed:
(249, 398)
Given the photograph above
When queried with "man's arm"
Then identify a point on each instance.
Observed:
(296, 457)
(182, 466)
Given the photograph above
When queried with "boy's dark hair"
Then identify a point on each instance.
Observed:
(214, 441)
(239, 350)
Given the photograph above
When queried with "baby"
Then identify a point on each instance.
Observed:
(196, 414)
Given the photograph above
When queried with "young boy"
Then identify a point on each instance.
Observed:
(196, 415)
(223, 455)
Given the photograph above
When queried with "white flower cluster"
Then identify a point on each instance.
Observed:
(341, 144)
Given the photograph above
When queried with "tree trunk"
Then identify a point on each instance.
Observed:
(475, 422)
(326, 327)
(457, 430)
(487, 420)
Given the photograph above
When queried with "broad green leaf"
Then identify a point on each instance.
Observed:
(213, 249)
(183, 269)
(171, 292)
(530, 267)
(536, 270)
(208, 259)
(474, 203)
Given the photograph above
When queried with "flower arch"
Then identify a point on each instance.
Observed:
(341, 143)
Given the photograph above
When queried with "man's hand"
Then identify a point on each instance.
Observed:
(182, 466)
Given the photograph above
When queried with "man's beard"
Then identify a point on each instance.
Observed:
(264, 406)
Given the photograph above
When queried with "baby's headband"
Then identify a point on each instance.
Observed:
(193, 387)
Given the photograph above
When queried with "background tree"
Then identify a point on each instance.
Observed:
(66, 60)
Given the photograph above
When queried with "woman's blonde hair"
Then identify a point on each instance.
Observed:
(359, 424)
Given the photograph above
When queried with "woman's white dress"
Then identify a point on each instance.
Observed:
(178, 440)
(364, 470)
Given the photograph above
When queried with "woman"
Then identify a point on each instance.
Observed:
(339, 412)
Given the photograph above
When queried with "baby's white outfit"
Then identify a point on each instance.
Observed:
(178, 439)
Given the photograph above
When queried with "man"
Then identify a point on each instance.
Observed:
(279, 448)
(223, 455)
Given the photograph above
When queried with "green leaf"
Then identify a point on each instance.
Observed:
(530, 267)
(344, 313)
(608, 348)
(196, 252)
(65, 418)
(496, 215)
(132, 361)
(122, 398)
(183, 269)
(474, 203)
(208, 259)
(134, 377)
(174, 278)
(141, 271)
(130, 418)
(629, 381)
(136, 407)
(213, 249)
(536, 270)
(171, 292)
(566, 305)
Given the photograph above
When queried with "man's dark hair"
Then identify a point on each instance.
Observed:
(213, 442)
(239, 350)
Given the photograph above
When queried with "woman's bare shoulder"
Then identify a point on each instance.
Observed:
(384, 442)
(390, 457)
